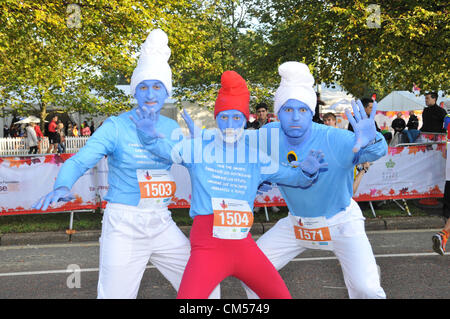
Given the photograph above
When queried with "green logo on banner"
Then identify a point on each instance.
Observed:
(390, 164)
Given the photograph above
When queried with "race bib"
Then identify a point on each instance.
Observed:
(157, 188)
(313, 233)
(233, 218)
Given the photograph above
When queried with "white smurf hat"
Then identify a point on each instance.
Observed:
(152, 63)
(296, 83)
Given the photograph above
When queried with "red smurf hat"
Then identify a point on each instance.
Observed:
(233, 95)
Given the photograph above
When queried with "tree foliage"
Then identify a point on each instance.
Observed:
(343, 42)
(71, 55)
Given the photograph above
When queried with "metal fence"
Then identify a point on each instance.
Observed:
(17, 145)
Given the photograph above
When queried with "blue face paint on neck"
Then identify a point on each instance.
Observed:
(231, 124)
(151, 94)
(296, 120)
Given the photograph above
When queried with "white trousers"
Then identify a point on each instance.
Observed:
(350, 245)
(130, 238)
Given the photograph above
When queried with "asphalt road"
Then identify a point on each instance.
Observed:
(409, 270)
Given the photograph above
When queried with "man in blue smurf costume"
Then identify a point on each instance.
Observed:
(323, 216)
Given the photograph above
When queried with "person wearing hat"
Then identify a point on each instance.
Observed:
(323, 216)
(137, 225)
(226, 167)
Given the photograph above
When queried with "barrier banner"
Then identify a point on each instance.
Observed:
(416, 171)
(405, 172)
(23, 180)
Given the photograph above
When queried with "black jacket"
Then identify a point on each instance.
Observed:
(398, 124)
(433, 119)
(413, 123)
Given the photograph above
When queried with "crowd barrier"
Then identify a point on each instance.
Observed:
(17, 145)
(407, 172)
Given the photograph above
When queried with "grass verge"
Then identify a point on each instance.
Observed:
(92, 220)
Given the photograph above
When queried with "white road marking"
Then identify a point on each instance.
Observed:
(64, 271)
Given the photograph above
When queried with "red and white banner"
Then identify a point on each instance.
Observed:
(405, 172)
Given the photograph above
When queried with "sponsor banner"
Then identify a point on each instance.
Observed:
(405, 172)
(23, 180)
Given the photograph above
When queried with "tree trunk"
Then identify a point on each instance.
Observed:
(43, 116)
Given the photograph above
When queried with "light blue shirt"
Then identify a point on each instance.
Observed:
(117, 139)
(220, 172)
(333, 190)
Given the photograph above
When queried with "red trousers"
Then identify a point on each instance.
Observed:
(213, 259)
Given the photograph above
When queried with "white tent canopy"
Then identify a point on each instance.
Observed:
(335, 97)
(29, 119)
(406, 101)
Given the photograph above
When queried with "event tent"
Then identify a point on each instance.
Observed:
(406, 101)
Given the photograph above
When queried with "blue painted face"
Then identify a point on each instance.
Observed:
(152, 94)
(295, 118)
(230, 119)
(231, 124)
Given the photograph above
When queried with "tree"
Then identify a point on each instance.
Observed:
(68, 55)
(366, 48)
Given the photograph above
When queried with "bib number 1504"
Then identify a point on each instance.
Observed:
(233, 219)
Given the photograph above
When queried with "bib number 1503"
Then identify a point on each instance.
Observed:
(162, 189)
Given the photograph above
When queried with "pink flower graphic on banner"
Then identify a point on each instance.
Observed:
(395, 150)
(53, 159)
(373, 191)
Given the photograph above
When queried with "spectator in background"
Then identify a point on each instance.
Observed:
(261, 120)
(368, 105)
(62, 138)
(412, 133)
(329, 119)
(413, 121)
(85, 130)
(316, 117)
(13, 132)
(440, 238)
(433, 115)
(75, 130)
(40, 137)
(446, 121)
(398, 124)
(53, 137)
(6, 131)
(70, 129)
(31, 139)
(92, 127)
(261, 117)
